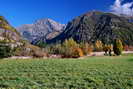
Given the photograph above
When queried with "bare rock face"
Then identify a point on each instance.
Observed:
(41, 30)
(96, 25)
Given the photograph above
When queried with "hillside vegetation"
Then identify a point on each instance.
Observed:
(7, 31)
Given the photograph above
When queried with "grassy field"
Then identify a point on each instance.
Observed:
(88, 73)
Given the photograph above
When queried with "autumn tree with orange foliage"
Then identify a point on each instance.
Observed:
(86, 48)
(71, 49)
(98, 46)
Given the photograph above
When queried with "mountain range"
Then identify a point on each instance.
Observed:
(89, 27)
(41, 30)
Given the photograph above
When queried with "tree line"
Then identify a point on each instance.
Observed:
(69, 48)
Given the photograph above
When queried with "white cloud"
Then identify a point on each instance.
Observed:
(125, 9)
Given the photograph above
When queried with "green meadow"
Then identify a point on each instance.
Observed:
(86, 73)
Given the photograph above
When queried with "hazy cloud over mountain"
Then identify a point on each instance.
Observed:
(122, 8)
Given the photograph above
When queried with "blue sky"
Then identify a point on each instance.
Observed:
(19, 12)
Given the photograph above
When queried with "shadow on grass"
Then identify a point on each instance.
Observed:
(131, 60)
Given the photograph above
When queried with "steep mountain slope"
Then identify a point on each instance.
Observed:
(96, 25)
(7, 32)
(110, 27)
(41, 30)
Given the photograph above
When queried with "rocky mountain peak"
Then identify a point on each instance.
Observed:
(41, 29)
(51, 24)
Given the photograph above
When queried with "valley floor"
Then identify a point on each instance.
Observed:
(89, 73)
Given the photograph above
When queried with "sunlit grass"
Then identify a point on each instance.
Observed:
(89, 73)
